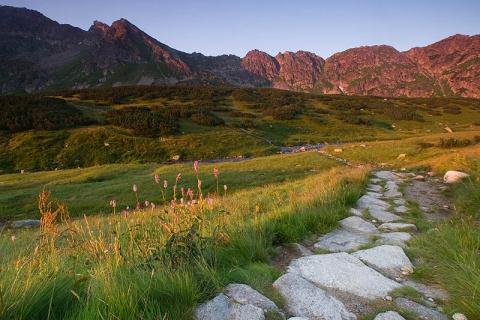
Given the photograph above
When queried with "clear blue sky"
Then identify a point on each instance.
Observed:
(215, 27)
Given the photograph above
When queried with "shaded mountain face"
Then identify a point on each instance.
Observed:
(37, 53)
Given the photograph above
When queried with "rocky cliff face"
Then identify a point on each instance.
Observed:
(454, 62)
(37, 53)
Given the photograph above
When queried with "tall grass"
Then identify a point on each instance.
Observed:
(159, 262)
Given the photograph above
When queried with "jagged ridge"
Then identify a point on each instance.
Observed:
(40, 54)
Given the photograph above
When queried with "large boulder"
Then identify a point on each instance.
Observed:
(454, 176)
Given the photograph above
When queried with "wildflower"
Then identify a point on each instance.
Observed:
(215, 171)
(165, 184)
(190, 193)
(153, 205)
(195, 166)
(225, 187)
(183, 192)
(178, 177)
(134, 188)
(113, 203)
(199, 183)
(125, 213)
(138, 206)
(14, 238)
(172, 204)
(157, 179)
(147, 203)
(210, 201)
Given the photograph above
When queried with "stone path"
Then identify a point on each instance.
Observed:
(346, 281)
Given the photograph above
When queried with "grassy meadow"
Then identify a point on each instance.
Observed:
(128, 233)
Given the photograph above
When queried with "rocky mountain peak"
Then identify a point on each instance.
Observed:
(37, 53)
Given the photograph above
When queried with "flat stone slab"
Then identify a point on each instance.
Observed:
(391, 185)
(392, 193)
(304, 299)
(388, 175)
(374, 194)
(400, 202)
(356, 212)
(368, 202)
(394, 238)
(419, 310)
(341, 241)
(374, 187)
(384, 216)
(375, 180)
(401, 209)
(396, 226)
(243, 294)
(343, 272)
(389, 315)
(358, 225)
(386, 259)
(25, 224)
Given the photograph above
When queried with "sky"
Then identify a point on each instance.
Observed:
(216, 27)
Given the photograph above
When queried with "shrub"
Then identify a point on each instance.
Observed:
(403, 114)
(453, 143)
(207, 118)
(425, 145)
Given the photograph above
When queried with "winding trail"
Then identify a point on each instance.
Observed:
(361, 263)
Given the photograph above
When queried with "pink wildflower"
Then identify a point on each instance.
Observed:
(14, 238)
(225, 187)
(172, 205)
(215, 171)
(138, 206)
(183, 192)
(113, 203)
(153, 205)
(165, 184)
(125, 213)
(178, 177)
(190, 193)
(195, 166)
(134, 188)
(157, 179)
(147, 203)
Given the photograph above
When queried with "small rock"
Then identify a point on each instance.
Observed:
(406, 270)
(454, 176)
(401, 155)
(459, 316)
(420, 178)
(400, 202)
(389, 315)
(388, 298)
(176, 157)
(337, 150)
(448, 129)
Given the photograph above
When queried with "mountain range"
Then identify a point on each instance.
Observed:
(37, 53)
